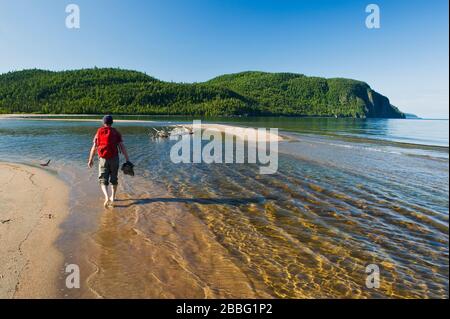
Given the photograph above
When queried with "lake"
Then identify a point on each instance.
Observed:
(348, 193)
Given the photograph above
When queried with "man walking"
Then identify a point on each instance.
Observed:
(108, 142)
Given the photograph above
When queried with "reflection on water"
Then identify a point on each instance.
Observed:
(423, 132)
(196, 230)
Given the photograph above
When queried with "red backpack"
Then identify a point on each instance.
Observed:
(107, 140)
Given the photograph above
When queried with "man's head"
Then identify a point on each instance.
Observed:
(108, 120)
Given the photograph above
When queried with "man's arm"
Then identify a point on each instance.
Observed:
(91, 155)
(124, 151)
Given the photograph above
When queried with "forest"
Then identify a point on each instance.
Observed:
(117, 91)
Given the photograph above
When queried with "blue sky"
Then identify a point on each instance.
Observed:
(407, 59)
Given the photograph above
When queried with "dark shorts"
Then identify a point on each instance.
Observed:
(108, 170)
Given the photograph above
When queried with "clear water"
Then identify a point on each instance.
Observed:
(348, 193)
(414, 131)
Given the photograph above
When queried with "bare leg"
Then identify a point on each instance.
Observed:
(105, 192)
(113, 194)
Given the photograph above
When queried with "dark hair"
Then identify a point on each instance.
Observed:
(108, 120)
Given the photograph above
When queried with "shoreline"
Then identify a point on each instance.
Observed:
(56, 118)
(32, 115)
(283, 134)
(216, 127)
(33, 203)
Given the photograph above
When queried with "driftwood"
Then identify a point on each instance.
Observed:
(164, 133)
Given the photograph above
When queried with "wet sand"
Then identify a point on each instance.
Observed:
(32, 204)
(148, 246)
(158, 250)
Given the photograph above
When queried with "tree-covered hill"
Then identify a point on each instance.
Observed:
(297, 94)
(129, 92)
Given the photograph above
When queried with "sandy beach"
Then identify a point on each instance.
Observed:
(32, 204)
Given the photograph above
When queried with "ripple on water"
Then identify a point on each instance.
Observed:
(199, 231)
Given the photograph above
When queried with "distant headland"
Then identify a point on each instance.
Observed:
(117, 91)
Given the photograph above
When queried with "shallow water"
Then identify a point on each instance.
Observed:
(345, 196)
(414, 131)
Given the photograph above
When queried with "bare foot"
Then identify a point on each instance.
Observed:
(111, 202)
(106, 203)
